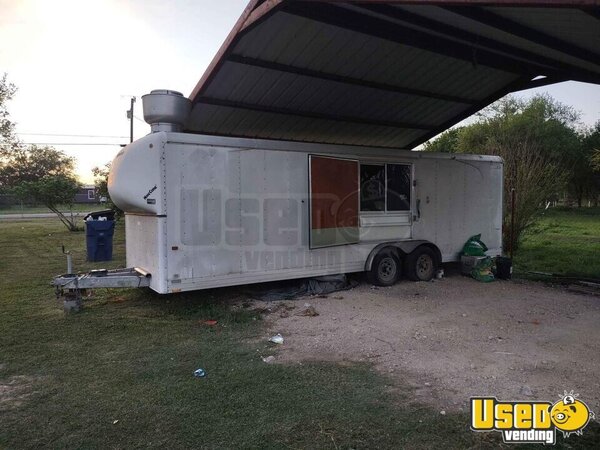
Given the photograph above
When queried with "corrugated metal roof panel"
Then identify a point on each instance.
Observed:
(356, 55)
(267, 87)
(389, 74)
(504, 35)
(571, 25)
(224, 120)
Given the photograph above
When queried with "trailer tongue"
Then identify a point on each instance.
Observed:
(71, 287)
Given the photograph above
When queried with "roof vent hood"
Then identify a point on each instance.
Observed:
(166, 110)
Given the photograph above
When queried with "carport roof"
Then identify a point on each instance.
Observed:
(386, 73)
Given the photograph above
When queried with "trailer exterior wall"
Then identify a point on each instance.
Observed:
(459, 198)
(145, 247)
(215, 211)
(243, 218)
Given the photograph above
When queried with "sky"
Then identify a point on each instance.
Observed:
(77, 63)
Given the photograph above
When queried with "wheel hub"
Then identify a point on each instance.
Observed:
(387, 268)
(424, 266)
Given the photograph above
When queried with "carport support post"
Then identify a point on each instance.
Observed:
(513, 198)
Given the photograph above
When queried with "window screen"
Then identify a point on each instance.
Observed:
(398, 187)
(372, 187)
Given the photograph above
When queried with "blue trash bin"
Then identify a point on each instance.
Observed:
(99, 239)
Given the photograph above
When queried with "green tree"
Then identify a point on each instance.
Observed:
(590, 165)
(593, 142)
(52, 191)
(541, 147)
(101, 183)
(447, 142)
(32, 163)
(7, 137)
(595, 160)
(40, 174)
(547, 122)
(533, 177)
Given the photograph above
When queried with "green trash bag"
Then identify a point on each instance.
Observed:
(483, 270)
(474, 246)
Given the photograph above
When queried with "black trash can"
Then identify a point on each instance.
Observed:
(503, 268)
(99, 235)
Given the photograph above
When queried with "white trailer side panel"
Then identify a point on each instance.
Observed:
(145, 247)
(215, 212)
(239, 216)
(457, 200)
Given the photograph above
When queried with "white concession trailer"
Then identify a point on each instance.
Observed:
(291, 157)
(204, 211)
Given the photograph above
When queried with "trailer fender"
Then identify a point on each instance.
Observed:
(403, 248)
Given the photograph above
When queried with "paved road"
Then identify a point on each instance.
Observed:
(28, 216)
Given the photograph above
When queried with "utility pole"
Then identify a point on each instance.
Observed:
(130, 117)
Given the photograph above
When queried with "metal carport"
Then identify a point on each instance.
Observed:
(386, 73)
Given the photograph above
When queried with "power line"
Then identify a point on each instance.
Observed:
(75, 143)
(72, 135)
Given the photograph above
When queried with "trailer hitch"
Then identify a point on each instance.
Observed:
(72, 287)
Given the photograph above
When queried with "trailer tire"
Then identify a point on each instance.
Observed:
(421, 264)
(385, 270)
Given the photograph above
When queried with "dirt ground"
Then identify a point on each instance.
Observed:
(454, 338)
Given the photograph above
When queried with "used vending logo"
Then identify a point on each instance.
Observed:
(530, 422)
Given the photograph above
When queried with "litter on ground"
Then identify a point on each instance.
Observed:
(309, 311)
(277, 339)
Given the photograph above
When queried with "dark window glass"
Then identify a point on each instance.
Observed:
(372, 187)
(398, 187)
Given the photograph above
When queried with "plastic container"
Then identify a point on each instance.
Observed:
(503, 268)
(468, 263)
(108, 214)
(99, 239)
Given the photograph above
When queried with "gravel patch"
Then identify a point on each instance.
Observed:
(454, 338)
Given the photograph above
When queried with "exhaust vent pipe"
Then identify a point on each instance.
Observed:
(166, 110)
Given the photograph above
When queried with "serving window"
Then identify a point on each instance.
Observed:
(385, 187)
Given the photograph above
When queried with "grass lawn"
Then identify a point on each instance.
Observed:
(119, 374)
(563, 241)
(130, 355)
